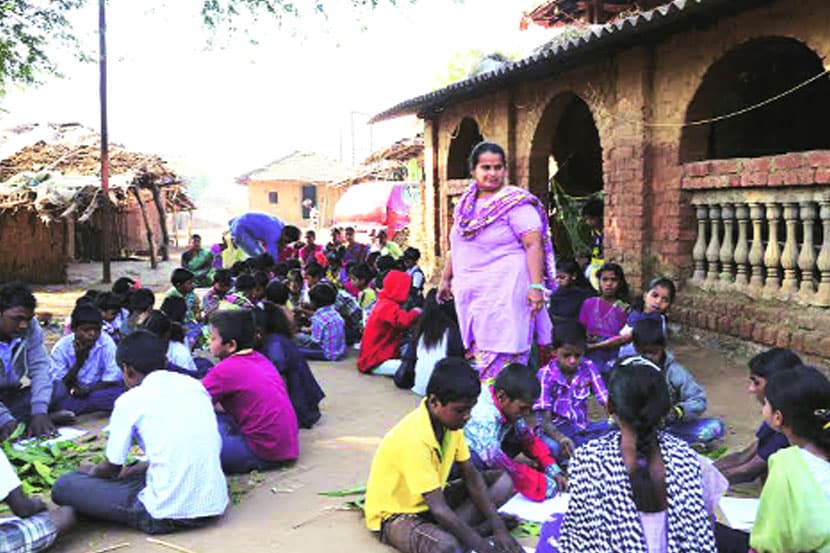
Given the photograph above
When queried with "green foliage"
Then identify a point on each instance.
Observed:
(225, 12)
(356, 504)
(26, 27)
(40, 465)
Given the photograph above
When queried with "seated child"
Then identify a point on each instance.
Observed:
(688, 398)
(257, 293)
(438, 337)
(183, 287)
(277, 293)
(85, 376)
(178, 355)
(297, 291)
(258, 425)
(657, 299)
(345, 303)
(380, 348)
(409, 501)
(566, 383)
(219, 292)
(571, 291)
(139, 304)
(280, 348)
(36, 528)
(112, 313)
(750, 463)
(410, 261)
(795, 501)
(360, 276)
(89, 298)
(497, 432)
(171, 417)
(604, 316)
(325, 340)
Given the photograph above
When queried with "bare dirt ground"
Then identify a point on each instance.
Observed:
(284, 512)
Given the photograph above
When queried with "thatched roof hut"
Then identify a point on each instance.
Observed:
(50, 184)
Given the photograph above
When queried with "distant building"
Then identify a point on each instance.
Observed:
(283, 187)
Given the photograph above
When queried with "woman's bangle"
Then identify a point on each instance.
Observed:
(540, 287)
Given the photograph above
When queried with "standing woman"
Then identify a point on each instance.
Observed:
(500, 267)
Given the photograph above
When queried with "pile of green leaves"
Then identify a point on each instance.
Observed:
(39, 465)
(357, 504)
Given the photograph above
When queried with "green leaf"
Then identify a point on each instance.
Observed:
(17, 432)
(44, 472)
(352, 490)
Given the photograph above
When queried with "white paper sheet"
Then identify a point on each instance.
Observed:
(739, 512)
(65, 434)
(535, 511)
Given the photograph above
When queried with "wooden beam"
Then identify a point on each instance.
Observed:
(164, 246)
(147, 226)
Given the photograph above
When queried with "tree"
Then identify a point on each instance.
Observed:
(28, 28)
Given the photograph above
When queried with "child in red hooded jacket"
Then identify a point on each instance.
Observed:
(380, 347)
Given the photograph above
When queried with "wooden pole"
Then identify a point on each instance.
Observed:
(105, 169)
(164, 254)
(147, 226)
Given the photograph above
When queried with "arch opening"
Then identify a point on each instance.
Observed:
(466, 136)
(750, 74)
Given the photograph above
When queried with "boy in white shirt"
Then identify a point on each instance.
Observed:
(171, 417)
(36, 528)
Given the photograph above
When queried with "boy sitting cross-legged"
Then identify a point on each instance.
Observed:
(85, 376)
(171, 417)
(566, 383)
(408, 498)
(497, 432)
(259, 425)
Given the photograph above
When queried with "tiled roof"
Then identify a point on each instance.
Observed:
(298, 166)
(609, 37)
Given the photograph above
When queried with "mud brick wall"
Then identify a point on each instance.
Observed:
(31, 250)
(639, 98)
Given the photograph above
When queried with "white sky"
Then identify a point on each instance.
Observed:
(230, 108)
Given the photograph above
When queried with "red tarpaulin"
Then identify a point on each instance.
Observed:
(374, 204)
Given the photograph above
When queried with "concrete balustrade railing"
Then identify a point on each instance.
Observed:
(766, 243)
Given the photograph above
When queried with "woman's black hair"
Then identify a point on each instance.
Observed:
(372, 259)
(569, 333)
(143, 351)
(774, 360)
(141, 300)
(223, 276)
(435, 319)
(277, 292)
(648, 332)
(453, 379)
(16, 294)
(322, 294)
(485, 148)
(245, 283)
(664, 282)
(622, 288)
(572, 268)
(640, 398)
(238, 325)
(802, 395)
(518, 382)
(175, 308)
(276, 322)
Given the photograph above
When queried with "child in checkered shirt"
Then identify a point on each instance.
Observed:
(325, 339)
(36, 528)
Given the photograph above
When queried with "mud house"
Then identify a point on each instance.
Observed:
(704, 122)
(50, 201)
(287, 187)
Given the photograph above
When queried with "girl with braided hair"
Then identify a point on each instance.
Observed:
(640, 490)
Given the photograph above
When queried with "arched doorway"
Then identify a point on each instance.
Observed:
(566, 148)
(464, 139)
(748, 75)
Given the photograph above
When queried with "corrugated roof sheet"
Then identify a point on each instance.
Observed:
(614, 35)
